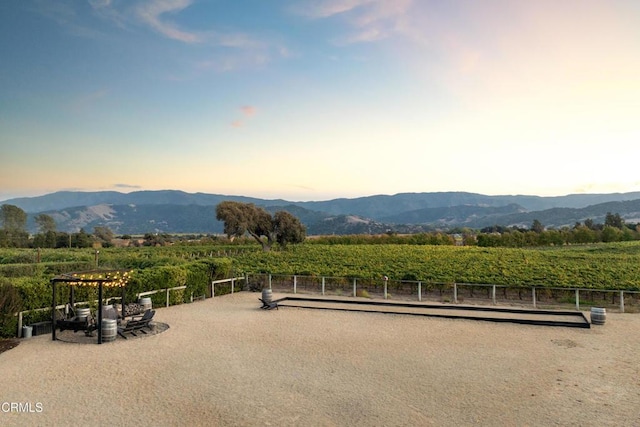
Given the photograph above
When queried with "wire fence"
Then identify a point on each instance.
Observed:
(460, 293)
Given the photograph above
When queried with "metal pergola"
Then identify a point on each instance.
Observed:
(92, 278)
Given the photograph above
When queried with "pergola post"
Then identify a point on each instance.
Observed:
(53, 311)
(122, 302)
(100, 303)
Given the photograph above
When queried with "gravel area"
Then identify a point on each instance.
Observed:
(224, 361)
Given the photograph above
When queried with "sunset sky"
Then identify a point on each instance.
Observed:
(319, 99)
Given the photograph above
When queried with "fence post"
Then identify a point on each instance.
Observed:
(533, 293)
(419, 291)
(577, 299)
(493, 294)
(269, 280)
(455, 292)
(386, 280)
(354, 287)
(167, 297)
(621, 301)
(213, 289)
(322, 285)
(295, 284)
(20, 324)
(233, 285)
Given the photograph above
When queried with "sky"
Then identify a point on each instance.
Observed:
(319, 99)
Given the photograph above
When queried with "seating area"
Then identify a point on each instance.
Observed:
(268, 305)
(76, 321)
(137, 324)
(130, 326)
(109, 321)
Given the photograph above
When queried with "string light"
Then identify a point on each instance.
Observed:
(109, 279)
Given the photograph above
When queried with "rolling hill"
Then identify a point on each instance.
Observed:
(171, 211)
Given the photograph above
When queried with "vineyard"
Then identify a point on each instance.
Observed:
(596, 266)
(601, 266)
(25, 273)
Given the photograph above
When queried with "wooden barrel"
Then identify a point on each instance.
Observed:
(267, 296)
(598, 315)
(145, 303)
(109, 330)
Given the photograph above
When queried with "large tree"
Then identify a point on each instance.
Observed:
(46, 223)
(14, 222)
(240, 218)
(13, 218)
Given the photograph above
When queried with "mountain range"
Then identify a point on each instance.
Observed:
(173, 211)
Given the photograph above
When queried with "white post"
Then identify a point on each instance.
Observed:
(232, 285)
(269, 280)
(167, 297)
(386, 280)
(419, 291)
(295, 284)
(621, 301)
(213, 289)
(493, 294)
(533, 293)
(20, 325)
(577, 299)
(323, 285)
(354, 287)
(455, 292)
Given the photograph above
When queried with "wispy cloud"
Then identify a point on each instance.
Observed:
(368, 20)
(66, 16)
(126, 186)
(247, 111)
(326, 8)
(151, 13)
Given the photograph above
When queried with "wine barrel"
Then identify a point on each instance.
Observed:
(267, 296)
(598, 315)
(82, 312)
(145, 303)
(109, 330)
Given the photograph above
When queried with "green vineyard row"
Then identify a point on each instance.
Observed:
(597, 266)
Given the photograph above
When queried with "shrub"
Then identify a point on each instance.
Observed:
(10, 303)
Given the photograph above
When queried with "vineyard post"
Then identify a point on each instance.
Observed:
(621, 301)
(420, 291)
(577, 299)
(533, 293)
(354, 286)
(295, 284)
(455, 292)
(385, 279)
(493, 294)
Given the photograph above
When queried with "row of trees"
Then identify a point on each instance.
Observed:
(239, 219)
(614, 229)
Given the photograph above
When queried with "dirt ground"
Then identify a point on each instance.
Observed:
(226, 362)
